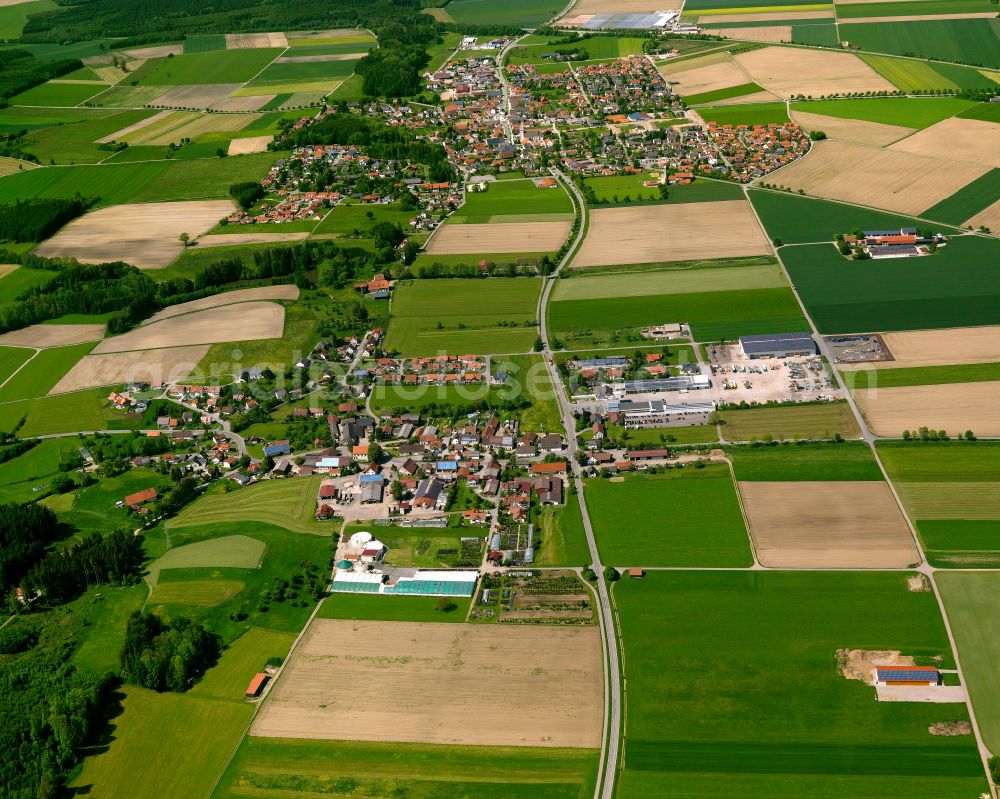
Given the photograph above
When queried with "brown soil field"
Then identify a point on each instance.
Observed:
(953, 407)
(226, 298)
(41, 336)
(145, 235)
(850, 525)
(896, 181)
(142, 123)
(239, 41)
(241, 104)
(523, 237)
(708, 78)
(989, 216)
(232, 239)
(685, 231)
(8, 166)
(765, 17)
(790, 71)
(251, 144)
(151, 366)
(919, 17)
(431, 683)
(772, 34)
(614, 7)
(957, 345)
(204, 96)
(160, 51)
(243, 321)
(956, 139)
(852, 130)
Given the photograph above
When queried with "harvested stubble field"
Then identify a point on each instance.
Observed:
(898, 181)
(424, 684)
(519, 237)
(793, 71)
(953, 407)
(962, 345)
(178, 125)
(672, 232)
(988, 217)
(850, 525)
(853, 130)
(250, 144)
(670, 281)
(147, 235)
(708, 78)
(40, 336)
(150, 366)
(156, 51)
(288, 292)
(123, 133)
(772, 34)
(236, 41)
(958, 139)
(246, 321)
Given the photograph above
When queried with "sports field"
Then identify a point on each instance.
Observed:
(755, 705)
(680, 517)
(457, 317)
(286, 503)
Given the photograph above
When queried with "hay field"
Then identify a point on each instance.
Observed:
(147, 235)
(241, 322)
(500, 238)
(231, 239)
(896, 181)
(790, 71)
(850, 525)
(241, 41)
(430, 683)
(953, 407)
(201, 96)
(957, 139)
(989, 216)
(122, 135)
(251, 144)
(708, 78)
(951, 346)
(858, 131)
(151, 366)
(771, 34)
(673, 232)
(288, 292)
(964, 501)
(40, 336)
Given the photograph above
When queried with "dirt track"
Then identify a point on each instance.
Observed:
(789, 71)
(151, 366)
(953, 407)
(440, 683)
(850, 525)
(517, 237)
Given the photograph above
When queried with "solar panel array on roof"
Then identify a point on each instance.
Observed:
(778, 342)
(624, 21)
(339, 587)
(908, 675)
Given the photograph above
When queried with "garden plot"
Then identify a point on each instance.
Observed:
(793, 71)
(499, 238)
(849, 525)
(708, 78)
(897, 181)
(40, 336)
(672, 232)
(147, 235)
(852, 130)
(957, 139)
(251, 144)
(242, 41)
(962, 345)
(148, 366)
(437, 683)
(953, 407)
(227, 298)
(241, 322)
(201, 96)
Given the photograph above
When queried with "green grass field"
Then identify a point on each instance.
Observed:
(42, 372)
(815, 33)
(510, 199)
(476, 316)
(16, 283)
(805, 462)
(910, 75)
(922, 376)
(37, 466)
(285, 503)
(232, 551)
(966, 41)
(561, 540)
(531, 51)
(346, 219)
(222, 66)
(271, 768)
(13, 18)
(669, 281)
(522, 13)
(753, 114)
(61, 413)
(789, 422)
(912, 8)
(900, 294)
(373, 607)
(988, 112)
(74, 143)
(58, 94)
(754, 704)
(10, 359)
(967, 201)
(14, 120)
(204, 42)
(240, 661)
(631, 186)
(404, 398)
(722, 94)
(305, 71)
(910, 112)
(683, 517)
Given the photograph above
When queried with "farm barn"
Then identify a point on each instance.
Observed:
(907, 675)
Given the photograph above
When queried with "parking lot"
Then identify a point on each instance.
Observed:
(736, 379)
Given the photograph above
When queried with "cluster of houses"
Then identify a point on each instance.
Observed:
(617, 367)
(903, 243)
(440, 370)
(630, 85)
(751, 151)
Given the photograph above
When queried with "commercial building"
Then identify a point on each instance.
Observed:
(682, 383)
(657, 413)
(907, 675)
(778, 345)
(410, 582)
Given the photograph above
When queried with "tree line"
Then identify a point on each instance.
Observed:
(35, 220)
(20, 70)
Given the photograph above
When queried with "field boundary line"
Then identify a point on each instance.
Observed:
(19, 368)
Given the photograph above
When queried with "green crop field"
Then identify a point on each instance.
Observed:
(954, 288)
(678, 517)
(58, 94)
(910, 8)
(349, 48)
(805, 462)
(668, 281)
(74, 143)
(382, 607)
(966, 41)
(232, 551)
(967, 201)
(754, 114)
(510, 199)
(910, 112)
(270, 768)
(789, 421)
(285, 503)
(755, 705)
(722, 94)
(16, 283)
(921, 376)
(936, 461)
(306, 71)
(560, 538)
(971, 601)
(42, 372)
(818, 34)
(204, 42)
(522, 13)
(623, 186)
(475, 316)
(988, 112)
(14, 17)
(10, 359)
(222, 66)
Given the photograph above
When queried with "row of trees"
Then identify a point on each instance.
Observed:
(35, 220)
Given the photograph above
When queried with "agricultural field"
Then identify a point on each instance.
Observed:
(964, 41)
(791, 725)
(18, 477)
(560, 537)
(909, 75)
(809, 73)
(974, 204)
(843, 462)
(42, 372)
(952, 407)
(626, 186)
(954, 348)
(14, 16)
(225, 66)
(897, 295)
(852, 130)
(751, 114)
(520, 13)
(667, 522)
(597, 47)
(951, 491)
(512, 237)
(509, 200)
(970, 139)
(912, 112)
(58, 94)
(372, 607)
(462, 316)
